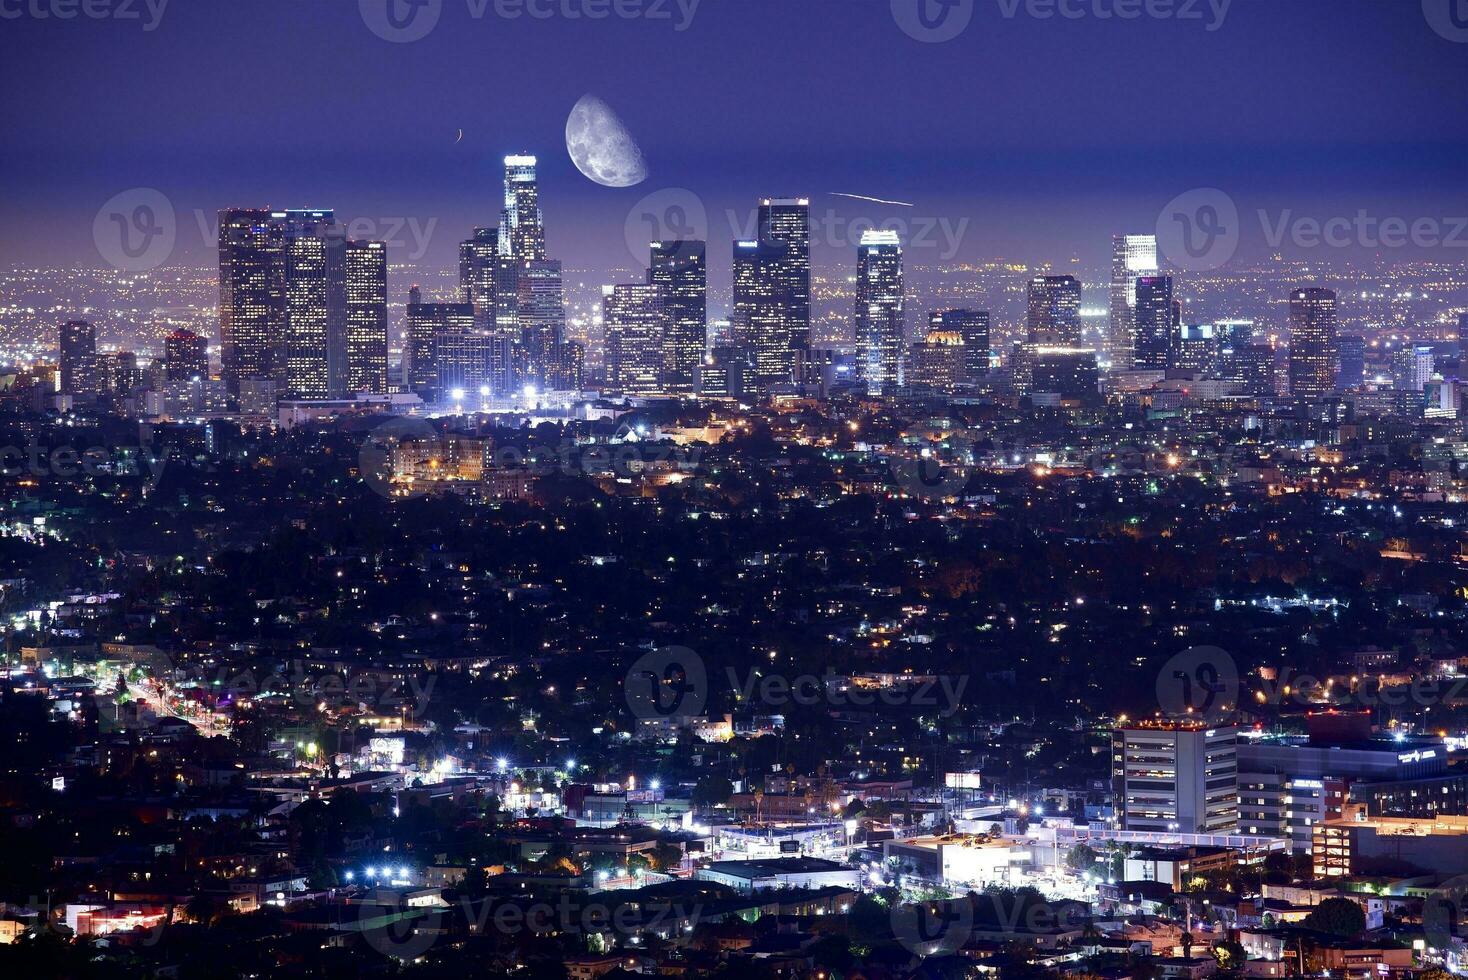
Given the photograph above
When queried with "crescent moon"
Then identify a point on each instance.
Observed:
(601, 147)
(460, 138)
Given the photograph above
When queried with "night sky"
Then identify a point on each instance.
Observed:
(1045, 134)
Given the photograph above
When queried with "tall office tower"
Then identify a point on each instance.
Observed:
(1132, 257)
(460, 361)
(1069, 372)
(1234, 333)
(1178, 777)
(79, 369)
(522, 229)
(185, 356)
(632, 315)
(937, 362)
(787, 220)
(1054, 315)
(432, 326)
(761, 315)
(1312, 343)
(252, 297)
(1156, 324)
(1351, 372)
(568, 366)
(880, 311)
(1197, 348)
(314, 310)
(972, 326)
(365, 271)
(1253, 367)
(1412, 367)
(120, 373)
(540, 314)
(679, 269)
(478, 264)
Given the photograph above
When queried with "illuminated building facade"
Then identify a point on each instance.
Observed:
(880, 311)
(633, 318)
(1132, 257)
(1312, 343)
(185, 356)
(679, 269)
(1156, 334)
(1179, 777)
(365, 270)
(1053, 314)
(79, 369)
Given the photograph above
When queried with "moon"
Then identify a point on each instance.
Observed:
(601, 147)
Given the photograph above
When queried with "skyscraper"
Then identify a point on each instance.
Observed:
(679, 269)
(285, 315)
(540, 315)
(880, 318)
(762, 305)
(973, 327)
(1351, 371)
(366, 316)
(251, 297)
(937, 362)
(314, 307)
(1132, 257)
(787, 221)
(632, 317)
(1156, 324)
(522, 229)
(79, 367)
(1412, 367)
(1312, 342)
(435, 342)
(478, 260)
(1054, 310)
(185, 356)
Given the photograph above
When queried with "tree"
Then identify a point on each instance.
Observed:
(1080, 858)
(1337, 916)
(1230, 954)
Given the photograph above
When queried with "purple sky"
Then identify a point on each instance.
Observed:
(1044, 134)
